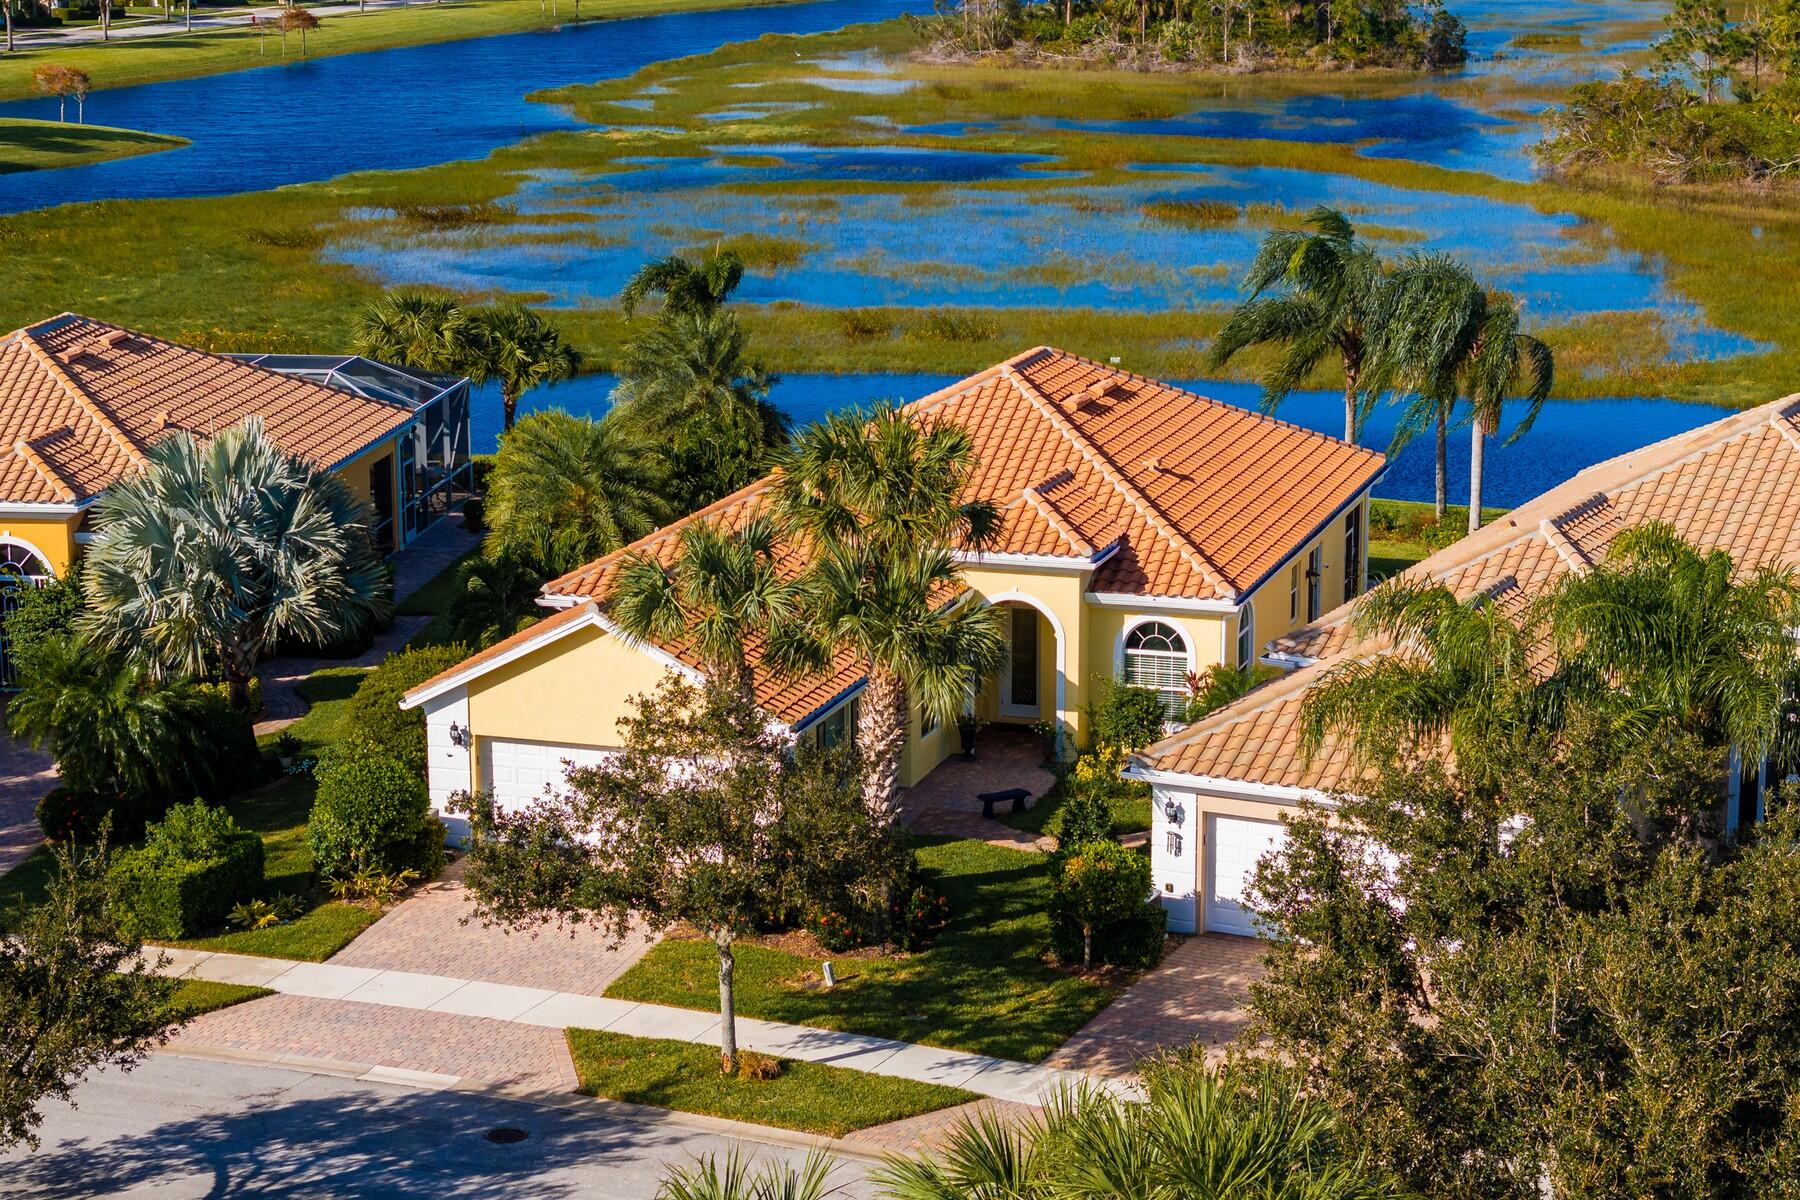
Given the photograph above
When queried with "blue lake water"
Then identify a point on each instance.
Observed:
(413, 106)
(1567, 436)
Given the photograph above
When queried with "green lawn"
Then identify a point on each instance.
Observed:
(986, 985)
(805, 1096)
(278, 812)
(207, 52)
(326, 692)
(1130, 811)
(34, 145)
(196, 996)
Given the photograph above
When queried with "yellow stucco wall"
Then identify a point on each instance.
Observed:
(1273, 603)
(357, 474)
(54, 538)
(574, 690)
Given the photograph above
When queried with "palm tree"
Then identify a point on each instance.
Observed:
(1248, 1130)
(213, 552)
(498, 596)
(1330, 290)
(723, 591)
(689, 387)
(565, 490)
(1447, 338)
(1462, 672)
(879, 497)
(514, 345)
(114, 729)
(686, 288)
(707, 1179)
(413, 328)
(1669, 632)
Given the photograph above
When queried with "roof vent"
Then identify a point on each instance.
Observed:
(1101, 389)
(1073, 401)
(115, 338)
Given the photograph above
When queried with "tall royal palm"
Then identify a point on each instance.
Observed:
(514, 346)
(879, 497)
(1668, 632)
(689, 387)
(565, 490)
(686, 287)
(413, 328)
(216, 550)
(1326, 289)
(722, 592)
(1446, 338)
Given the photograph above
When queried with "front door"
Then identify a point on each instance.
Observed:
(1019, 677)
(381, 499)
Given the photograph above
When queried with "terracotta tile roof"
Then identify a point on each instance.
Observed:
(1200, 499)
(1733, 485)
(81, 402)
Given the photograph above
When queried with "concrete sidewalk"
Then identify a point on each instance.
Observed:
(999, 1078)
(137, 25)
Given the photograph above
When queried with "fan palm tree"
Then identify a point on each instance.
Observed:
(1670, 632)
(498, 596)
(1329, 287)
(1445, 338)
(518, 348)
(114, 729)
(879, 497)
(413, 328)
(214, 551)
(565, 490)
(723, 591)
(689, 387)
(692, 289)
(1248, 1131)
(708, 1179)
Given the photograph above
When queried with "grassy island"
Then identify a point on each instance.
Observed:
(37, 145)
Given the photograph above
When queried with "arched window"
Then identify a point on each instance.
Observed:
(1156, 657)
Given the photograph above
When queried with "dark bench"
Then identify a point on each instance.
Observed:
(1017, 797)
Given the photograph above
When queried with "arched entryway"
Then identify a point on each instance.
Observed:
(1032, 685)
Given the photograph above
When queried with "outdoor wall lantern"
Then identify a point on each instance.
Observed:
(1174, 812)
(459, 736)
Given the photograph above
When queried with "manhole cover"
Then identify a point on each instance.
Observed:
(506, 1135)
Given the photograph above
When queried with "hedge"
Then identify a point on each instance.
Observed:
(163, 898)
(374, 712)
(371, 810)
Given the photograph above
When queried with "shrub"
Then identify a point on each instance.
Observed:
(67, 815)
(924, 911)
(371, 813)
(44, 614)
(236, 761)
(755, 1067)
(473, 513)
(835, 930)
(374, 711)
(195, 866)
(1097, 887)
(1126, 716)
(1084, 817)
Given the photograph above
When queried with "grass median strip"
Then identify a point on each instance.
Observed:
(806, 1096)
(197, 996)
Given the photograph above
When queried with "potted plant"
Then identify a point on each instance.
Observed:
(287, 749)
(967, 726)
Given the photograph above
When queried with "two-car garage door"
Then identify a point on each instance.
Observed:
(1233, 847)
(516, 772)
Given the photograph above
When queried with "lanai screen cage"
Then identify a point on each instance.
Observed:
(434, 466)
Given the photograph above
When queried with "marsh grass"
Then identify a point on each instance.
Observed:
(454, 216)
(953, 325)
(1192, 214)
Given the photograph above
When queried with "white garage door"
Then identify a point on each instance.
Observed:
(1233, 847)
(516, 772)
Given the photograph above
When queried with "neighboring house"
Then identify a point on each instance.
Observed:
(1148, 533)
(1222, 785)
(81, 402)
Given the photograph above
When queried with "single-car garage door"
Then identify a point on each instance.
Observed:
(516, 772)
(1233, 847)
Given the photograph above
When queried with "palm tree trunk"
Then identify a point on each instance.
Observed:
(727, 1003)
(1443, 467)
(509, 402)
(1477, 448)
(881, 736)
(1350, 377)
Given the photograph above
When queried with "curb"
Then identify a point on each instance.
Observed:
(618, 1110)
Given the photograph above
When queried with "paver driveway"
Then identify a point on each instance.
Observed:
(427, 934)
(1197, 994)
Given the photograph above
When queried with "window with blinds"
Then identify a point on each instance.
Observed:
(1156, 657)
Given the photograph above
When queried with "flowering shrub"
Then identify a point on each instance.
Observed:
(925, 911)
(835, 931)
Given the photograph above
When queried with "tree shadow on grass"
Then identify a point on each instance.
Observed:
(297, 1136)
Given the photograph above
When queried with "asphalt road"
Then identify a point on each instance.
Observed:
(180, 1128)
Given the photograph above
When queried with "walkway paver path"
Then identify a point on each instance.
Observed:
(427, 934)
(1198, 993)
(947, 801)
(270, 1026)
(25, 775)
